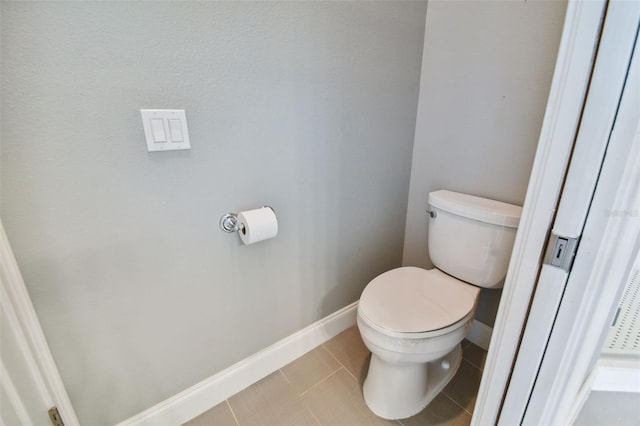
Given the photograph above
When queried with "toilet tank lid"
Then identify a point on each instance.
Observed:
(477, 208)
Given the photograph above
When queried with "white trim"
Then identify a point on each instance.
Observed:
(480, 334)
(17, 342)
(566, 99)
(607, 377)
(612, 378)
(606, 254)
(543, 310)
(582, 397)
(33, 345)
(212, 391)
(13, 397)
(607, 81)
(580, 335)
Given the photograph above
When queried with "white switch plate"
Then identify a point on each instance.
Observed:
(169, 130)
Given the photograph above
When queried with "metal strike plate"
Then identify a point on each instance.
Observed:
(561, 251)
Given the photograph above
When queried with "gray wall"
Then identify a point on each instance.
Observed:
(308, 107)
(486, 73)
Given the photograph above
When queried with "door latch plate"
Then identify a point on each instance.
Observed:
(561, 251)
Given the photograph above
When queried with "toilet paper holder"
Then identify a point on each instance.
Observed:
(229, 222)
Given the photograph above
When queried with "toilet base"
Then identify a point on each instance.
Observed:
(398, 391)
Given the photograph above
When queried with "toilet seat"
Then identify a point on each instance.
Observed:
(417, 301)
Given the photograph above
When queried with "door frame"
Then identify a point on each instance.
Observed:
(601, 114)
(569, 86)
(31, 346)
(569, 91)
(605, 256)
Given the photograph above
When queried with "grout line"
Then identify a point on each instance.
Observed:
(300, 398)
(473, 365)
(314, 384)
(333, 356)
(310, 410)
(467, 361)
(470, 363)
(456, 402)
(481, 368)
(232, 412)
(475, 394)
(352, 375)
(285, 377)
(304, 403)
(331, 353)
(343, 366)
(321, 381)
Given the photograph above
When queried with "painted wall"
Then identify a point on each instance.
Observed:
(486, 73)
(308, 107)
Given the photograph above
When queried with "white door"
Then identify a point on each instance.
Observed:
(607, 250)
(30, 385)
(590, 76)
(594, 239)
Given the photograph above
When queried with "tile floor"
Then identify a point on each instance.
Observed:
(610, 408)
(323, 387)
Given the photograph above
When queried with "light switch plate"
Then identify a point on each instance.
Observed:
(165, 129)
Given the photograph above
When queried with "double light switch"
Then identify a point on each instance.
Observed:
(165, 129)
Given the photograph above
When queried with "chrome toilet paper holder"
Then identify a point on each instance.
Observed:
(229, 222)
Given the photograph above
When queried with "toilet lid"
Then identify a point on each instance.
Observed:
(413, 300)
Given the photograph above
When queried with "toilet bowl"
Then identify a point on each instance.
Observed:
(413, 319)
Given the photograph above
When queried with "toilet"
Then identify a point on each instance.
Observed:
(413, 319)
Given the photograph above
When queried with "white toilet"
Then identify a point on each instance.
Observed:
(413, 320)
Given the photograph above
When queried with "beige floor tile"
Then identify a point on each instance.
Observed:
(463, 388)
(350, 350)
(441, 411)
(316, 389)
(271, 401)
(475, 355)
(220, 415)
(338, 401)
(310, 369)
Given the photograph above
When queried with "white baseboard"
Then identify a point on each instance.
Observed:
(480, 334)
(210, 392)
(610, 374)
(581, 398)
(616, 375)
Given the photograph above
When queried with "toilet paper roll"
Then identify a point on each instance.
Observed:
(257, 225)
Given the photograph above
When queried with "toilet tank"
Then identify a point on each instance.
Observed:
(471, 238)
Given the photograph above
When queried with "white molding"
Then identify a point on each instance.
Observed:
(540, 321)
(33, 346)
(214, 390)
(609, 375)
(566, 98)
(605, 88)
(15, 403)
(581, 398)
(608, 247)
(612, 378)
(480, 334)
